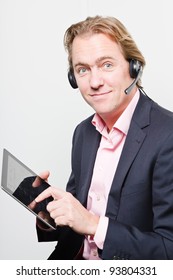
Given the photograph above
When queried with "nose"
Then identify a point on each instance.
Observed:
(96, 78)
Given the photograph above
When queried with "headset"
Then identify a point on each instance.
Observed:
(135, 69)
(72, 79)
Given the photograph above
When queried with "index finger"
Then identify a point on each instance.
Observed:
(51, 191)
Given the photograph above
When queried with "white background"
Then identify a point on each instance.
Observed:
(38, 108)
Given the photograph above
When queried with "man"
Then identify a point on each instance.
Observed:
(119, 198)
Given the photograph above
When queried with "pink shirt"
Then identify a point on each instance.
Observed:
(106, 162)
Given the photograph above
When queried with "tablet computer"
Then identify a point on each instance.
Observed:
(23, 185)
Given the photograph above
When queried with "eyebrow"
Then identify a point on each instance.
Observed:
(104, 58)
(100, 59)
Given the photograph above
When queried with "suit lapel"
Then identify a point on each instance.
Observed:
(133, 143)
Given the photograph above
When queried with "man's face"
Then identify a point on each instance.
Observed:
(102, 74)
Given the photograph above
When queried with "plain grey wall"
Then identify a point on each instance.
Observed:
(38, 108)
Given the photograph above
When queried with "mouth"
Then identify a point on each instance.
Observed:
(100, 94)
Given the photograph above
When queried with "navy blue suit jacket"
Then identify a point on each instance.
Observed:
(140, 202)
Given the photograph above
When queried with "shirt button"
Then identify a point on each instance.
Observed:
(94, 253)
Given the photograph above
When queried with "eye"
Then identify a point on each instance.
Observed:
(107, 66)
(82, 70)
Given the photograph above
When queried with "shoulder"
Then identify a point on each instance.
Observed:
(85, 125)
(150, 112)
(160, 122)
(85, 132)
(161, 115)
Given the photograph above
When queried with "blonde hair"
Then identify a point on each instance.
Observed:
(110, 26)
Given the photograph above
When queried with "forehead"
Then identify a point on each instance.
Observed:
(90, 47)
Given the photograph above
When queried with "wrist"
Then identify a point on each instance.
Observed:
(93, 226)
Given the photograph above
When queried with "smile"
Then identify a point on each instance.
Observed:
(100, 94)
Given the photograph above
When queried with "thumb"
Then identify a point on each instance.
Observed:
(44, 175)
(38, 179)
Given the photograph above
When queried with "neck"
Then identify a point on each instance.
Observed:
(111, 117)
(110, 120)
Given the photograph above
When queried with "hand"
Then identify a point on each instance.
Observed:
(66, 210)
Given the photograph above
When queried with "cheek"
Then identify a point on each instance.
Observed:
(113, 80)
(83, 87)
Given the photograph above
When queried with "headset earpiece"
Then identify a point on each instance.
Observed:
(72, 79)
(134, 68)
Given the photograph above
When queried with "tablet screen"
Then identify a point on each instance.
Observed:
(21, 183)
